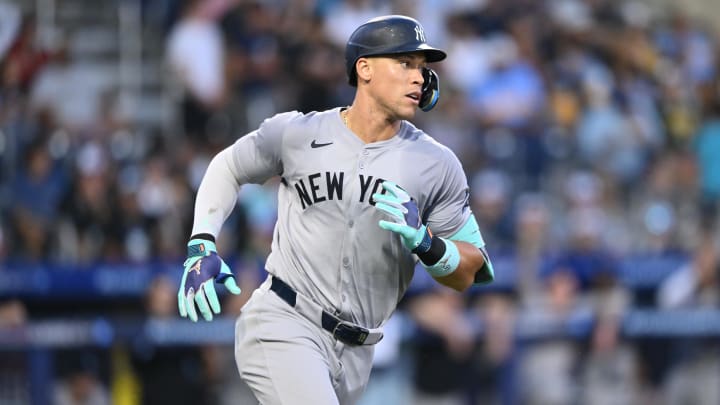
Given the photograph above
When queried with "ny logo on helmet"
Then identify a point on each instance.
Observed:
(419, 34)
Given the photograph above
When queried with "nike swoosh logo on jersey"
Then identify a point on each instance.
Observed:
(314, 144)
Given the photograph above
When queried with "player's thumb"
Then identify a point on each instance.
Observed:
(227, 278)
(231, 285)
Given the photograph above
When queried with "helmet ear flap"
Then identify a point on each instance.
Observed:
(430, 90)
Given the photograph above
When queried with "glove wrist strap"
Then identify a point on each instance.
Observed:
(425, 243)
(200, 247)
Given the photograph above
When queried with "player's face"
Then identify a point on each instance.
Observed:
(397, 83)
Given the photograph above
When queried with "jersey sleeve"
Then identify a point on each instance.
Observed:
(253, 158)
(257, 156)
(449, 208)
(450, 215)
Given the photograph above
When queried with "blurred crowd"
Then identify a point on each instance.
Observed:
(589, 130)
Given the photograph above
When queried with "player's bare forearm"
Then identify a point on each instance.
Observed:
(471, 261)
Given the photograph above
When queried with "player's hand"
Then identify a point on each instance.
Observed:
(203, 267)
(404, 217)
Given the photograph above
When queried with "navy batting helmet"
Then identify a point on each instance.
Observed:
(387, 35)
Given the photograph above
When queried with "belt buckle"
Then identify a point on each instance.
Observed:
(349, 333)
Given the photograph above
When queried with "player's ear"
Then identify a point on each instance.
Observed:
(364, 69)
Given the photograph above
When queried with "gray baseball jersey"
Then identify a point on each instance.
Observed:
(327, 243)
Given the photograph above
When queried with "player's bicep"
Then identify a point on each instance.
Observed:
(257, 156)
(449, 207)
(251, 163)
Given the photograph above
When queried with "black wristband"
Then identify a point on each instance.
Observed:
(203, 236)
(435, 253)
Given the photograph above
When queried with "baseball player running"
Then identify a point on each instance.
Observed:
(364, 194)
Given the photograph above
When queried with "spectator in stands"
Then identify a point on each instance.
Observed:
(706, 145)
(13, 313)
(696, 286)
(3, 240)
(454, 130)
(258, 33)
(610, 368)
(443, 346)
(160, 200)
(469, 60)
(15, 366)
(319, 72)
(169, 375)
(606, 139)
(664, 210)
(490, 201)
(342, 16)
(658, 229)
(533, 246)
(24, 58)
(512, 94)
(686, 44)
(37, 190)
(81, 384)
(93, 230)
(586, 256)
(10, 23)
(135, 230)
(494, 368)
(546, 368)
(196, 56)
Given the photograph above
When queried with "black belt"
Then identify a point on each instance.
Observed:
(343, 331)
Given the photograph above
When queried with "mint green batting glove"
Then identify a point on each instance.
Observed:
(405, 218)
(203, 267)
